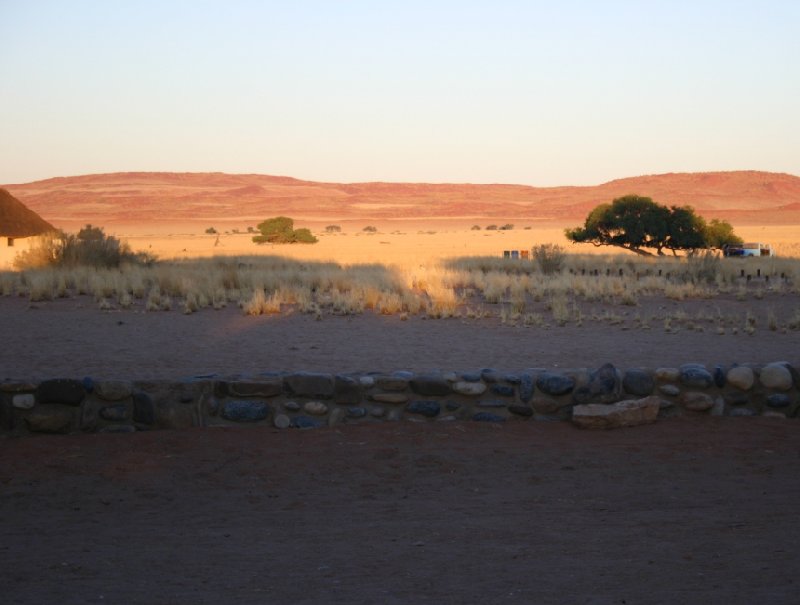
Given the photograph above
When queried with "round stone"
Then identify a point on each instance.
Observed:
(776, 376)
(23, 401)
(315, 408)
(696, 377)
(779, 400)
(669, 389)
(282, 421)
(463, 387)
(741, 377)
(638, 382)
(697, 402)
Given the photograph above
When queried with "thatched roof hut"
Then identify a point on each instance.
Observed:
(17, 220)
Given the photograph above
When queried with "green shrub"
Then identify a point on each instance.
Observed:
(280, 230)
(549, 258)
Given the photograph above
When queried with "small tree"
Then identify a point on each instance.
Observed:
(280, 230)
(211, 231)
(507, 227)
(719, 234)
(333, 229)
(549, 258)
(370, 229)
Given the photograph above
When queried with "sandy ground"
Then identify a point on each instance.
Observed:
(72, 338)
(684, 511)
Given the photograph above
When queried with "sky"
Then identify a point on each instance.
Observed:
(573, 92)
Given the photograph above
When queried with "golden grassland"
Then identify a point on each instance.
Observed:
(442, 274)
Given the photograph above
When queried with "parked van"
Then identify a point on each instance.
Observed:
(749, 249)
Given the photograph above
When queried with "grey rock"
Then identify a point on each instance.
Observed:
(429, 409)
(719, 408)
(430, 385)
(491, 403)
(776, 376)
(61, 390)
(487, 417)
(521, 410)
(113, 390)
(309, 384)
(513, 378)
(490, 375)
(403, 374)
(773, 414)
(12, 386)
(347, 390)
(281, 421)
(719, 376)
(742, 411)
(291, 406)
(144, 409)
(377, 411)
(667, 374)
(555, 384)
(366, 381)
(526, 388)
(503, 390)
(336, 416)
(633, 412)
(696, 402)
(23, 401)
(452, 406)
(356, 412)
(670, 390)
(741, 377)
(463, 387)
(604, 386)
(471, 376)
(51, 418)
(638, 382)
(315, 408)
(779, 400)
(114, 413)
(245, 411)
(696, 376)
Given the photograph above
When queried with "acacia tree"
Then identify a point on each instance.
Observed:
(638, 224)
(280, 230)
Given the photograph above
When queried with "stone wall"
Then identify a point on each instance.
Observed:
(601, 397)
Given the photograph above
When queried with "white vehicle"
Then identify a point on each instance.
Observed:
(750, 249)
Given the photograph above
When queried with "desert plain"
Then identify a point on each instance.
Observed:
(689, 510)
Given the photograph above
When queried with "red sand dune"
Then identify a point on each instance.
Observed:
(745, 197)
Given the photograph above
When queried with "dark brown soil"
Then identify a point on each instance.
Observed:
(699, 510)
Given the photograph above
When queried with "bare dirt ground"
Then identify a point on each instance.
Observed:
(684, 511)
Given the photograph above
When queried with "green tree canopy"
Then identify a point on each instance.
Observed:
(280, 230)
(639, 224)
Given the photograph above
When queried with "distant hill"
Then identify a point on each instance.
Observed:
(16, 220)
(744, 197)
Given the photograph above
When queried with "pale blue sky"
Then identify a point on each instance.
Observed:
(540, 92)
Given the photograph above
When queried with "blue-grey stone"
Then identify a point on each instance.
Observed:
(430, 385)
(144, 410)
(638, 382)
(61, 390)
(742, 412)
(245, 411)
(604, 386)
(305, 422)
(491, 403)
(471, 376)
(403, 374)
(555, 384)
(356, 412)
(779, 400)
(429, 409)
(115, 413)
(452, 406)
(504, 390)
(310, 384)
(719, 376)
(521, 410)
(88, 384)
(526, 388)
(513, 378)
(487, 417)
(269, 387)
(490, 375)
(696, 376)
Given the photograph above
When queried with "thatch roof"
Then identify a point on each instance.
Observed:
(17, 220)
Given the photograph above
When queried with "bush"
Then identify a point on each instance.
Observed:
(476, 227)
(370, 229)
(90, 247)
(333, 229)
(491, 227)
(549, 258)
(280, 230)
(507, 227)
(211, 231)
